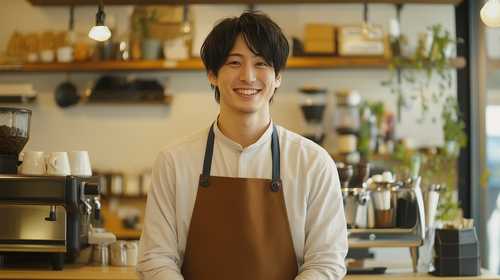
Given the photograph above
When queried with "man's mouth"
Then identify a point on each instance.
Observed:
(247, 91)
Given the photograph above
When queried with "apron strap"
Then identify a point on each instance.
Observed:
(207, 161)
(275, 152)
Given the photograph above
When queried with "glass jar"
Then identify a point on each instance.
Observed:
(346, 117)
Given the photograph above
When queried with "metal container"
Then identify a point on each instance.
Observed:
(124, 253)
(100, 255)
(119, 253)
(431, 200)
(353, 198)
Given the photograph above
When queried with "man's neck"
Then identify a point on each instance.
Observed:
(243, 129)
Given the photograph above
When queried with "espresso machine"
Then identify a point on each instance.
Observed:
(44, 218)
(383, 213)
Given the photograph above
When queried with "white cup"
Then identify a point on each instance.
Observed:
(33, 163)
(58, 164)
(65, 54)
(79, 162)
(47, 56)
(32, 57)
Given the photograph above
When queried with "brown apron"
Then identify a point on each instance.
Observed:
(239, 227)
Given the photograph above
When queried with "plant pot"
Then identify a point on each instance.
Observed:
(151, 49)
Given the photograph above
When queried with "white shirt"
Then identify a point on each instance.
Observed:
(311, 189)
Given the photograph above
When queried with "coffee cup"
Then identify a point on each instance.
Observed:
(65, 54)
(79, 162)
(33, 163)
(47, 56)
(58, 164)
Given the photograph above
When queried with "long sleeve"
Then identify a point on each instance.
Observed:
(158, 256)
(325, 228)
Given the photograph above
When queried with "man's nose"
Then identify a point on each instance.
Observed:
(247, 73)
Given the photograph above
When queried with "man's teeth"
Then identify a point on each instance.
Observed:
(247, 91)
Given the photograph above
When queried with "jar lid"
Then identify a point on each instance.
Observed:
(348, 98)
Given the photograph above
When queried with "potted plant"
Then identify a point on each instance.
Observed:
(142, 20)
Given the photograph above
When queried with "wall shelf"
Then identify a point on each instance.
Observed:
(195, 64)
(181, 2)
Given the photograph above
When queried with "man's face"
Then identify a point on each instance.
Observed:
(246, 81)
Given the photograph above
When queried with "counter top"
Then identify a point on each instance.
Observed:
(128, 273)
(71, 273)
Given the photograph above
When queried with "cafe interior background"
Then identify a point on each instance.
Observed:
(124, 139)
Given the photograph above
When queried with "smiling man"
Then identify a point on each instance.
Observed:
(244, 198)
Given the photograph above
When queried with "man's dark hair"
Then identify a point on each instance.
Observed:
(262, 36)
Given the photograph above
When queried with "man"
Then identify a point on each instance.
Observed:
(267, 205)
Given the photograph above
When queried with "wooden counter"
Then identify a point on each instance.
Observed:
(72, 273)
(128, 273)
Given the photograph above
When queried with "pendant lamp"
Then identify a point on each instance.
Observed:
(100, 32)
(490, 13)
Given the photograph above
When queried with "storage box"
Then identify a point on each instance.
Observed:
(319, 32)
(319, 38)
(316, 46)
(457, 266)
(456, 252)
(352, 42)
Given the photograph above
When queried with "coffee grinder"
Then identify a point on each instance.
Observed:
(14, 134)
(313, 107)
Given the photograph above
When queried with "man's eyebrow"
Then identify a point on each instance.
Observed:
(241, 55)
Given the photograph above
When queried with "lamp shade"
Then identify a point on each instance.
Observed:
(100, 33)
(490, 13)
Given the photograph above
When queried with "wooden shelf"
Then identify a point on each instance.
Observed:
(181, 2)
(195, 64)
(93, 66)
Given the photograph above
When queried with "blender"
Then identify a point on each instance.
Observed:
(14, 134)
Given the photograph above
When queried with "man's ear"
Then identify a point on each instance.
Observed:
(277, 81)
(212, 78)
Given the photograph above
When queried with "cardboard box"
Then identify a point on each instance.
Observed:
(319, 38)
(352, 42)
(319, 46)
(319, 32)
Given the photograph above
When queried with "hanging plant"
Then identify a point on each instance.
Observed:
(410, 80)
(430, 59)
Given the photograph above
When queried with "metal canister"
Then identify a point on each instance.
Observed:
(353, 198)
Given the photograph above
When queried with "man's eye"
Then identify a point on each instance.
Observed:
(233, 63)
(261, 64)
